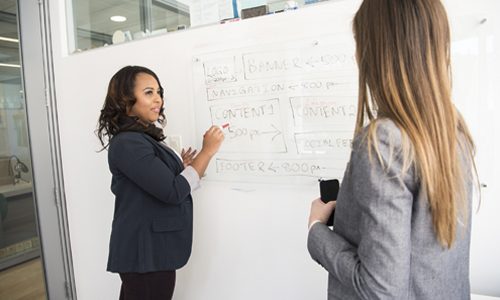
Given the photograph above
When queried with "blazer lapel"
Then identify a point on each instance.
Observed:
(172, 154)
(168, 155)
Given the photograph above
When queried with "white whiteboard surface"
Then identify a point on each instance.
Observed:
(291, 108)
(482, 297)
(250, 238)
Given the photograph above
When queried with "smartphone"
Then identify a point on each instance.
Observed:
(329, 189)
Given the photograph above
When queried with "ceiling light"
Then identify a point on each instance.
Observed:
(6, 39)
(9, 65)
(118, 19)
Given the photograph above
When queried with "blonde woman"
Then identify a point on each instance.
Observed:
(402, 220)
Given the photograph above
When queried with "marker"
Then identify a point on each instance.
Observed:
(225, 126)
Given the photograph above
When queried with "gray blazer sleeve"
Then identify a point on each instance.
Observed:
(378, 267)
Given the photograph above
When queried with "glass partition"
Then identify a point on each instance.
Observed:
(19, 240)
(18, 230)
(98, 23)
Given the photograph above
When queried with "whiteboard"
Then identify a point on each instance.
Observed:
(291, 108)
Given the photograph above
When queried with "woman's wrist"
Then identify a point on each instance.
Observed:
(201, 162)
(207, 153)
(314, 222)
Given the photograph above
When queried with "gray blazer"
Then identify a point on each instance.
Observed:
(383, 245)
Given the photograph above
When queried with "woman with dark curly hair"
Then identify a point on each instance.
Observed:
(152, 226)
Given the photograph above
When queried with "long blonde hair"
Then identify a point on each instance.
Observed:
(403, 53)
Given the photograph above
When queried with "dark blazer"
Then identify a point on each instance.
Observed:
(153, 217)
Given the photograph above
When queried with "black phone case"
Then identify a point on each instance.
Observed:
(329, 189)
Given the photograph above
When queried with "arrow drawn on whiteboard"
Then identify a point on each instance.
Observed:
(220, 77)
(276, 131)
(311, 62)
(270, 168)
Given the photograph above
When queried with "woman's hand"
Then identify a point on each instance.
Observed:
(321, 211)
(212, 139)
(188, 156)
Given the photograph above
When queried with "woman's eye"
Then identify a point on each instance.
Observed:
(149, 92)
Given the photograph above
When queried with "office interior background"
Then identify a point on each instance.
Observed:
(56, 58)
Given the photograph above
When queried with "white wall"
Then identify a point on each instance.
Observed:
(476, 65)
(249, 241)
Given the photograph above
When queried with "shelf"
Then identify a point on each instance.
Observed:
(16, 189)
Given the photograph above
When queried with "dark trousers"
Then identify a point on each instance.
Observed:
(147, 286)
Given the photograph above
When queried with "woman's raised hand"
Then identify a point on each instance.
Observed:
(212, 139)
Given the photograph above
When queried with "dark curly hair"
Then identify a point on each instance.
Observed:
(119, 99)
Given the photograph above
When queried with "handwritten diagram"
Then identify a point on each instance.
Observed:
(291, 110)
(323, 142)
(254, 126)
(278, 87)
(220, 71)
(322, 110)
(276, 167)
(296, 61)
